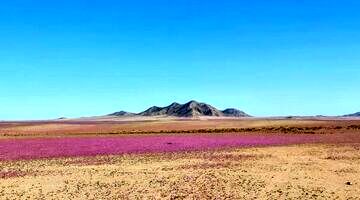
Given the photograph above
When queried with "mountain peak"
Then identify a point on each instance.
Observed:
(192, 102)
(174, 104)
(122, 113)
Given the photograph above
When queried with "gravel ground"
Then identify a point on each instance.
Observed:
(312, 171)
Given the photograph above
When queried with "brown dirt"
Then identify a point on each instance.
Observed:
(68, 128)
(310, 171)
(292, 172)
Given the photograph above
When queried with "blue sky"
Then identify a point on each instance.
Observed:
(268, 58)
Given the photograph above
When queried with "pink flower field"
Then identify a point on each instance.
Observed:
(36, 148)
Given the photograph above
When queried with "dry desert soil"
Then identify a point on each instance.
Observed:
(306, 159)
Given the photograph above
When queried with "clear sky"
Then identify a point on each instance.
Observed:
(76, 58)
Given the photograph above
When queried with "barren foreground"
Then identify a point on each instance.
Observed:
(300, 171)
(212, 159)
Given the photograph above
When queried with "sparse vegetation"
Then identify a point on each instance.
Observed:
(301, 172)
(180, 159)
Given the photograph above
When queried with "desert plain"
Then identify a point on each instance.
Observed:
(208, 158)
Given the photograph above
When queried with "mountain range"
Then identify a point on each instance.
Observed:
(190, 109)
(353, 115)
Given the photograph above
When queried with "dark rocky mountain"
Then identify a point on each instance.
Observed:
(353, 115)
(168, 110)
(122, 113)
(232, 112)
(190, 109)
(193, 109)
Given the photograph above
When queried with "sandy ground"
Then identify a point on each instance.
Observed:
(73, 127)
(326, 170)
(315, 171)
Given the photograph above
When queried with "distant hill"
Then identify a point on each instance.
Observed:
(232, 112)
(122, 113)
(353, 115)
(190, 109)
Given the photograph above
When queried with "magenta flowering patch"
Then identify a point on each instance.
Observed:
(35, 148)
